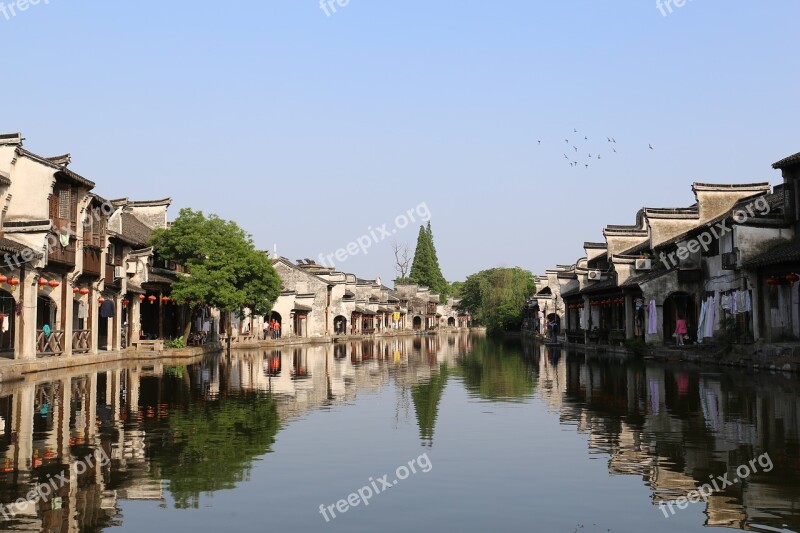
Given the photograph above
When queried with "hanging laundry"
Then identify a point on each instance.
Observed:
(107, 309)
(652, 318)
(725, 302)
(710, 317)
(701, 322)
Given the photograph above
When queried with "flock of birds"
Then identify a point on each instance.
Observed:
(610, 142)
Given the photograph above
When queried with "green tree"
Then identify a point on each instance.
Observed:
(426, 398)
(455, 289)
(496, 297)
(496, 371)
(425, 269)
(195, 454)
(224, 270)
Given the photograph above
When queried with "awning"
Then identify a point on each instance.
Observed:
(363, 311)
(301, 308)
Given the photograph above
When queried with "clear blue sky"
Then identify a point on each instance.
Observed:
(307, 129)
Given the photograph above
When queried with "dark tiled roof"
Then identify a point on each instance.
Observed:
(785, 253)
(13, 247)
(572, 292)
(604, 286)
(644, 278)
(134, 230)
(790, 161)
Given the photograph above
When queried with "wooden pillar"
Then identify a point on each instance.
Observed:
(629, 316)
(93, 324)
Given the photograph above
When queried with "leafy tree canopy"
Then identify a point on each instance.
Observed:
(496, 297)
(224, 268)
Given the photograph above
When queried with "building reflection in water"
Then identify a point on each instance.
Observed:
(167, 426)
(159, 422)
(676, 426)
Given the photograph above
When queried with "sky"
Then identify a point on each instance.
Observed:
(314, 125)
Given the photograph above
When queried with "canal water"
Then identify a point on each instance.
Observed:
(436, 433)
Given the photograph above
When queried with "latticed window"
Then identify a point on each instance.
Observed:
(63, 204)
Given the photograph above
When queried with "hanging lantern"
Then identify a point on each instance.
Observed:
(76, 290)
(101, 300)
(141, 297)
(84, 291)
(13, 282)
(3, 278)
(42, 282)
(165, 299)
(53, 283)
(773, 281)
(151, 298)
(125, 302)
(792, 278)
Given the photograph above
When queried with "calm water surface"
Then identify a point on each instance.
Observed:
(473, 435)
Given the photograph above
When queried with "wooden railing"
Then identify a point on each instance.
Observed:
(81, 341)
(62, 254)
(52, 345)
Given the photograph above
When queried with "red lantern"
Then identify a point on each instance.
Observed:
(76, 290)
(101, 300)
(84, 291)
(3, 278)
(165, 299)
(773, 281)
(792, 278)
(141, 297)
(53, 283)
(125, 302)
(42, 282)
(151, 298)
(13, 282)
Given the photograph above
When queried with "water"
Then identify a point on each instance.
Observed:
(472, 435)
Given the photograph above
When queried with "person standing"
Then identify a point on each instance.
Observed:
(680, 330)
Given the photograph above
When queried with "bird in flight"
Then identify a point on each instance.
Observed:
(590, 155)
(609, 139)
(576, 148)
(587, 166)
(565, 156)
(575, 130)
(566, 141)
(598, 156)
(586, 138)
(615, 150)
(540, 142)
(651, 146)
(613, 140)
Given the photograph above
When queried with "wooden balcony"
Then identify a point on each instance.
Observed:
(62, 255)
(49, 346)
(92, 264)
(81, 341)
